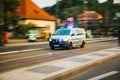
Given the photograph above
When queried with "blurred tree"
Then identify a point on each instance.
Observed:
(75, 7)
(21, 30)
(10, 15)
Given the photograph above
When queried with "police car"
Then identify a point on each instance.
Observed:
(68, 38)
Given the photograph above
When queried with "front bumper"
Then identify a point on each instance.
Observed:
(58, 44)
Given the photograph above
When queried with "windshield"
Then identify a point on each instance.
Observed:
(62, 32)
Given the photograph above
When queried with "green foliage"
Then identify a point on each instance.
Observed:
(10, 15)
(11, 5)
(22, 30)
(75, 7)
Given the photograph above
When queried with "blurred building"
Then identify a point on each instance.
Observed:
(89, 19)
(29, 12)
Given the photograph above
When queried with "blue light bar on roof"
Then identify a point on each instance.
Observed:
(68, 26)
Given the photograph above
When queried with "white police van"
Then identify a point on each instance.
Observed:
(68, 38)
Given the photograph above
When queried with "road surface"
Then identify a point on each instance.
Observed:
(27, 58)
(109, 71)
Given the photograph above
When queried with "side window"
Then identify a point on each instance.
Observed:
(73, 33)
(80, 32)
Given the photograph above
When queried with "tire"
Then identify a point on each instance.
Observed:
(69, 46)
(82, 45)
(52, 48)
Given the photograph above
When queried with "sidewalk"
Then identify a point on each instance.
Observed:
(55, 70)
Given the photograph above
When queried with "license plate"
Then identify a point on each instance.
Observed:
(56, 45)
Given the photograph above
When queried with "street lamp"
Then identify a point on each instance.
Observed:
(1, 24)
(56, 13)
(85, 17)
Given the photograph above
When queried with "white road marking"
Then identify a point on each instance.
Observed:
(104, 75)
(23, 58)
(21, 51)
(49, 54)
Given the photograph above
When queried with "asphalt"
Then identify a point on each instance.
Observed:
(59, 69)
(23, 42)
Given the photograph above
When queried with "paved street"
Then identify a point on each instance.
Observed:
(109, 71)
(19, 45)
(15, 59)
(49, 64)
(53, 70)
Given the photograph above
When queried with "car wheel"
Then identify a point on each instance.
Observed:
(69, 46)
(82, 45)
(52, 48)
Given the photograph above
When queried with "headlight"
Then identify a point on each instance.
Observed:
(60, 40)
(50, 39)
(65, 39)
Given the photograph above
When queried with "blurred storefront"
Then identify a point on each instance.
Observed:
(30, 13)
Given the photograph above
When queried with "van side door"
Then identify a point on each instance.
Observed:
(74, 38)
(80, 36)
